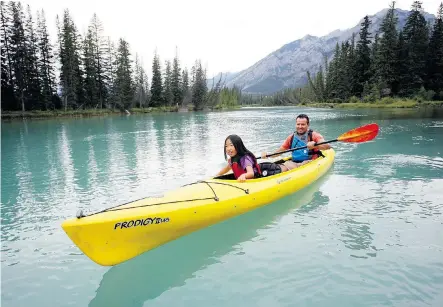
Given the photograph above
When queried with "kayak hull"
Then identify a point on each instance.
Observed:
(124, 232)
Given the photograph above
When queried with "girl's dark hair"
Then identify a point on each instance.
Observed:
(239, 147)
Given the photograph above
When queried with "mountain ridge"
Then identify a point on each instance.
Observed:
(287, 66)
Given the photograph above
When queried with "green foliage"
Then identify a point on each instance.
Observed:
(392, 64)
(404, 64)
(229, 98)
(157, 83)
(93, 73)
(387, 54)
(176, 82)
(416, 43)
(354, 99)
(371, 68)
(434, 64)
(424, 95)
(363, 56)
(387, 100)
(123, 78)
(199, 87)
(167, 94)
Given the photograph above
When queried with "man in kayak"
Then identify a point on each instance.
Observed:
(303, 136)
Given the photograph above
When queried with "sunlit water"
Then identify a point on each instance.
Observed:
(370, 233)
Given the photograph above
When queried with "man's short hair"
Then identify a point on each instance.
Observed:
(303, 116)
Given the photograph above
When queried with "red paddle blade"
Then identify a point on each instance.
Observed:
(359, 135)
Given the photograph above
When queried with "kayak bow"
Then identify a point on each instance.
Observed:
(118, 234)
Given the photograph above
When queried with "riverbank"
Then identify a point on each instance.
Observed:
(83, 113)
(37, 114)
(380, 104)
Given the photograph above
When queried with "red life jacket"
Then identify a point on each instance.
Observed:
(238, 170)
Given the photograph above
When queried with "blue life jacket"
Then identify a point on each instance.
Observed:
(300, 141)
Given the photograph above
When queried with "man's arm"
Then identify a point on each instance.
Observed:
(285, 146)
(323, 146)
(318, 138)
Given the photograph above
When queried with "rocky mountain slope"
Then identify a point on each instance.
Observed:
(287, 66)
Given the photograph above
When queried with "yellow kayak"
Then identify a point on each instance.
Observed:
(117, 234)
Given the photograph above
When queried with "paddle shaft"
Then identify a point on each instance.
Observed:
(297, 148)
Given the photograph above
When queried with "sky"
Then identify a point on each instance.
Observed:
(225, 35)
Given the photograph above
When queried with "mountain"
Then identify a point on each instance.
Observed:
(287, 66)
(225, 77)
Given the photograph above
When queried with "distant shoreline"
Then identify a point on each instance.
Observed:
(403, 104)
(380, 104)
(37, 114)
(86, 113)
(398, 104)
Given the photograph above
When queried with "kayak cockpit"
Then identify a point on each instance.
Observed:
(263, 166)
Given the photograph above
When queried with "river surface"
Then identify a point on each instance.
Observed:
(369, 233)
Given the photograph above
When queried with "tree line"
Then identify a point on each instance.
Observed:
(388, 63)
(88, 71)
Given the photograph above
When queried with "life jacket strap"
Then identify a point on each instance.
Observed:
(238, 170)
(311, 151)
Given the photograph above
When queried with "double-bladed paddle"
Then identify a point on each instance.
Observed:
(358, 135)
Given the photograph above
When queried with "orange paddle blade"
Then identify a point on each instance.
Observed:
(361, 134)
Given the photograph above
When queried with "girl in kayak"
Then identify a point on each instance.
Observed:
(242, 162)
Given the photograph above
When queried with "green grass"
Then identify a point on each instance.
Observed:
(81, 113)
(393, 103)
(226, 107)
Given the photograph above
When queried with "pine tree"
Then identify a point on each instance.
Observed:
(332, 76)
(136, 79)
(31, 62)
(435, 56)
(343, 73)
(376, 68)
(141, 84)
(187, 95)
(416, 36)
(71, 75)
(78, 67)
(402, 66)
(352, 69)
(387, 52)
(19, 54)
(176, 81)
(169, 98)
(98, 51)
(110, 72)
(363, 55)
(156, 83)
(7, 83)
(199, 87)
(143, 87)
(46, 63)
(91, 87)
(123, 81)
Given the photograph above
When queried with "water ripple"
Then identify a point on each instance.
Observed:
(369, 234)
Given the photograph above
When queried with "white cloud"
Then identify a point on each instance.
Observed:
(226, 35)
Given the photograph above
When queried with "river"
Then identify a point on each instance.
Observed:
(369, 233)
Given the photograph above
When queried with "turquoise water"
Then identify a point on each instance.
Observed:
(370, 233)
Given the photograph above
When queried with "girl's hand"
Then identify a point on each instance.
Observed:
(242, 178)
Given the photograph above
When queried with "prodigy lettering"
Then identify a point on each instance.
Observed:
(145, 222)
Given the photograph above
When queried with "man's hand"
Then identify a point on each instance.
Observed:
(263, 155)
(242, 178)
(310, 145)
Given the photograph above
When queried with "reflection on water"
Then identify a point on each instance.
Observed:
(357, 236)
(149, 275)
(370, 236)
